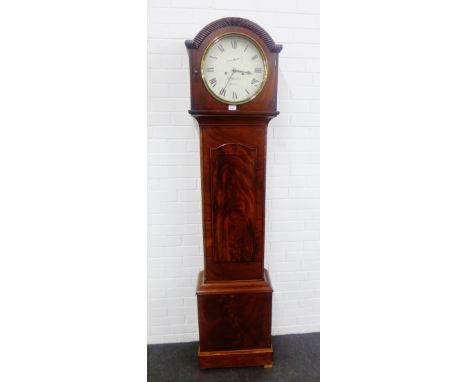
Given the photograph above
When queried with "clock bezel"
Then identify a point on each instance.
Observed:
(265, 68)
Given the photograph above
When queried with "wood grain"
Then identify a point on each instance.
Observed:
(234, 211)
(235, 316)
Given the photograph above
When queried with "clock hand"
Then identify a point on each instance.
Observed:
(243, 71)
(229, 79)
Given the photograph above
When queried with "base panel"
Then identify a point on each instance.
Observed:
(236, 358)
(234, 321)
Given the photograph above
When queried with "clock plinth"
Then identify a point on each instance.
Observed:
(235, 322)
(234, 292)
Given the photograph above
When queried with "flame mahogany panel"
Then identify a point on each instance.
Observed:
(234, 213)
(235, 321)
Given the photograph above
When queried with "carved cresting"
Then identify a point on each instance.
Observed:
(233, 175)
(233, 22)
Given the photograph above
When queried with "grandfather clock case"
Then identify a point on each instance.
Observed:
(233, 85)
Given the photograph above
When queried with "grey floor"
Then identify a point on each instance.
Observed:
(296, 359)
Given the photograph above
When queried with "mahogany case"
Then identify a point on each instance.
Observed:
(234, 293)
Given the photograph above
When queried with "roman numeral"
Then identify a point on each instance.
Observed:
(213, 82)
(210, 70)
(254, 81)
(213, 57)
(255, 57)
(257, 70)
(234, 95)
(221, 47)
(246, 47)
(247, 91)
(234, 44)
(222, 92)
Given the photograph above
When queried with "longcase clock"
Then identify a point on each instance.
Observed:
(233, 85)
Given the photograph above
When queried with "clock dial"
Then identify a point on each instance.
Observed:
(234, 69)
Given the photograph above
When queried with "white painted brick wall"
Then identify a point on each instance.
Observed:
(174, 200)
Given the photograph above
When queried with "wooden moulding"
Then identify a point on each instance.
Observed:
(233, 286)
(236, 358)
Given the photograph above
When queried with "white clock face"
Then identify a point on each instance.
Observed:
(234, 68)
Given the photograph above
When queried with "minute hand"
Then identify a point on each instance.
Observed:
(243, 71)
(229, 79)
